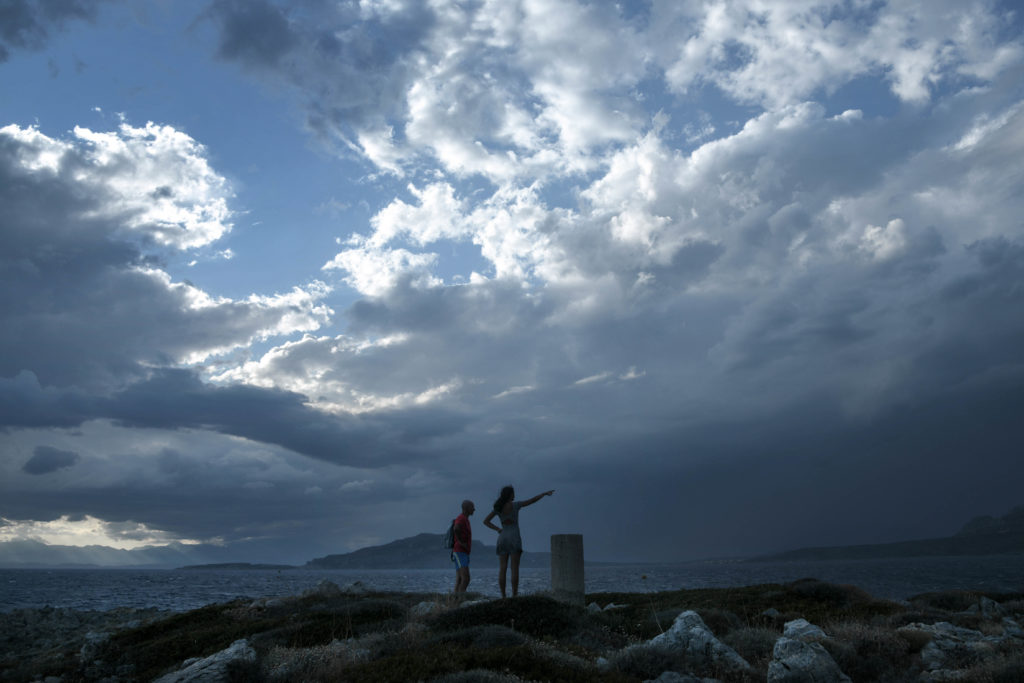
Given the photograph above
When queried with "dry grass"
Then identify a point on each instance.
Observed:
(399, 636)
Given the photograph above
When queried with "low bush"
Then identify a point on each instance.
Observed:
(720, 621)
(537, 616)
(754, 644)
(870, 653)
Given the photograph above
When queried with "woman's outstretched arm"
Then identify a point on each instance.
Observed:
(533, 500)
(487, 521)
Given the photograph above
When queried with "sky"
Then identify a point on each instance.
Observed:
(284, 279)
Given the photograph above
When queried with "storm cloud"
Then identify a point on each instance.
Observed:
(730, 279)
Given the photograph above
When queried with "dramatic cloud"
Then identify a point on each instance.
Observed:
(749, 265)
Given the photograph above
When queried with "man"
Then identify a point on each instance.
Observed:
(463, 546)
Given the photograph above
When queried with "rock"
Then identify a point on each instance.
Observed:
(612, 605)
(689, 633)
(949, 641)
(674, 677)
(796, 661)
(91, 647)
(1012, 629)
(212, 669)
(593, 607)
(771, 613)
(422, 609)
(990, 609)
(355, 588)
(801, 629)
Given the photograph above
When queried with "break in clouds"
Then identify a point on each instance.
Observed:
(757, 267)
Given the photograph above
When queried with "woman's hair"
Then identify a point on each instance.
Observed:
(506, 495)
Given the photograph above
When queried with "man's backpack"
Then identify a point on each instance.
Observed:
(449, 536)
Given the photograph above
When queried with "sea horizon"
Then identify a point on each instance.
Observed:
(181, 589)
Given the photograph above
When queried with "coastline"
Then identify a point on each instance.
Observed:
(350, 633)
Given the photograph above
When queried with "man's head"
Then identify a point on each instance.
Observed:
(468, 508)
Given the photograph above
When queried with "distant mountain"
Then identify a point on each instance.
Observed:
(981, 536)
(238, 566)
(424, 551)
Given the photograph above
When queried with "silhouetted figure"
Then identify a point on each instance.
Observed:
(463, 546)
(510, 542)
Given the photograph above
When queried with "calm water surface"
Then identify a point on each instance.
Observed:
(103, 589)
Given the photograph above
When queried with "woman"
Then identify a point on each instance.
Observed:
(510, 543)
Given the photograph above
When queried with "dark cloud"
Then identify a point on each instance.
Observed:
(29, 24)
(46, 460)
(179, 399)
(253, 32)
(347, 63)
(175, 399)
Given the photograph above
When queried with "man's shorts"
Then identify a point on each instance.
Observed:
(461, 560)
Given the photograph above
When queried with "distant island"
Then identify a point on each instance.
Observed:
(985, 535)
(239, 565)
(423, 551)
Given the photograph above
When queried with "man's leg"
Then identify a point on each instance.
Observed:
(461, 571)
(461, 579)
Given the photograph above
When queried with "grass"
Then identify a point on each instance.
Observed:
(380, 637)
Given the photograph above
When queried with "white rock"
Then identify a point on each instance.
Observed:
(990, 609)
(688, 632)
(1012, 628)
(674, 677)
(948, 639)
(794, 661)
(422, 609)
(801, 629)
(212, 669)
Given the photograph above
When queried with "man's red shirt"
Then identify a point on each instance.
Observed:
(463, 535)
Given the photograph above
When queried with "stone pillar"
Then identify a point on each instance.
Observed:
(567, 568)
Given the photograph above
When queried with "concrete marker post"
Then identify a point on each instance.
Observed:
(567, 568)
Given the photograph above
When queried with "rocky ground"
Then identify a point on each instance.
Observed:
(803, 631)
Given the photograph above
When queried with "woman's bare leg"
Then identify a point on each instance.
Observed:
(502, 568)
(515, 574)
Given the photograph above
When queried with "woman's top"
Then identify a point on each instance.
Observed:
(509, 539)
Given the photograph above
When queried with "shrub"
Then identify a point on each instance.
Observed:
(720, 621)
(870, 653)
(916, 640)
(537, 616)
(754, 644)
(648, 663)
(947, 601)
(1008, 669)
(486, 636)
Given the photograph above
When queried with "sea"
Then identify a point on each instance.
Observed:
(185, 589)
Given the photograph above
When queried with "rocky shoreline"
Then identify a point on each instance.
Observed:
(803, 631)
